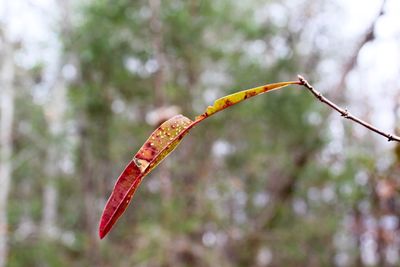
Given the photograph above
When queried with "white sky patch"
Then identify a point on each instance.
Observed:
(29, 23)
(358, 15)
(33, 24)
(221, 148)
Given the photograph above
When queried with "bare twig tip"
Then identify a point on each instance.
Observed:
(301, 79)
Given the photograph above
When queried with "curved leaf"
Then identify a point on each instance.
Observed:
(160, 143)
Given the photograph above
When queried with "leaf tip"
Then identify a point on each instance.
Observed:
(102, 229)
(101, 234)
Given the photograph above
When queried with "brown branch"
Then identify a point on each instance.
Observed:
(345, 113)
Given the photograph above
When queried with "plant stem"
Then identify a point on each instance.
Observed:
(344, 112)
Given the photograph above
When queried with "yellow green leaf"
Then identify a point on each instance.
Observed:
(235, 98)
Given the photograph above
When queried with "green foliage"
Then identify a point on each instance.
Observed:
(197, 37)
(239, 186)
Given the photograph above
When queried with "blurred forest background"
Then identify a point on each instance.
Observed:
(279, 180)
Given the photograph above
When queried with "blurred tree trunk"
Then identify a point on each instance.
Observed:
(55, 117)
(157, 43)
(6, 123)
(55, 112)
(94, 164)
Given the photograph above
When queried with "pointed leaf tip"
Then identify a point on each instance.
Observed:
(123, 190)
(101, 234)
(160, 143)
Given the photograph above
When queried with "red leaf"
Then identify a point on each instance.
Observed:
(160, 143)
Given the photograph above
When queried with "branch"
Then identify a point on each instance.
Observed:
(345, 113)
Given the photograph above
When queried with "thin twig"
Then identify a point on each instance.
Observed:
(345, 113)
